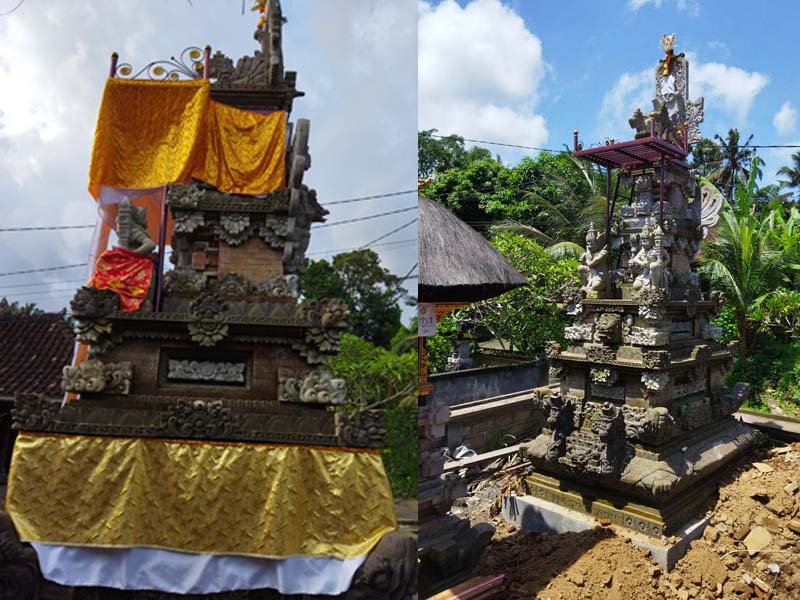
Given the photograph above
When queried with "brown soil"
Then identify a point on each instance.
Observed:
(602, 563)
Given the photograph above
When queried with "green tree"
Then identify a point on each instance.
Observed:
(17, 309)
(467, 191)
(706, 157)
(746, 259)
(735, 164)
(372, 293)
(525, 319)
(378, 378)
(436, 155)
(791, 175)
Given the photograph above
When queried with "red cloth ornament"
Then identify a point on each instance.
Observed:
(126, 273)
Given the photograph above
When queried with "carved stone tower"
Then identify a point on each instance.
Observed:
(221, 357)
(639, 420)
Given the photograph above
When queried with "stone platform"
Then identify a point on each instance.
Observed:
(535, 514)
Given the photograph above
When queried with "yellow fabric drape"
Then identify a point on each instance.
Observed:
(153, 133)
(245, 151)
(207, 497)
(147, 131)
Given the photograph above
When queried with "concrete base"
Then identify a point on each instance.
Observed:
(534, 514)
(667, 555)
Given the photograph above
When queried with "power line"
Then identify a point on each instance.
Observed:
(492, 143)
(397, 243)
(362, 198)
(26, 271)
(408, 275)
(46, 228)
(42, 283)
(387, 234)
(373, 216)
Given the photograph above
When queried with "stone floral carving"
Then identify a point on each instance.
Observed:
(314, 387)
(655, 359)
(594, 265)
(184, 282)
(93, 376)
(560, 422)
(603, 376)
(200, 419)
(578, 332)
(655, 381)
(648, 336)
(652, 303)
(208, 322)
(205, 370)
(362, 429)
(186, 221)
(600, 354)
(34, 412)
(274, 230)
(233, 228)
(185, 196)
(233, 284)
(280, 286)
(552, 349)
(328, 318)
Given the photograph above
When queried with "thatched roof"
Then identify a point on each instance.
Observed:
(456, 264)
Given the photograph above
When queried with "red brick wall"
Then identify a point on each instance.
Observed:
(253, 259)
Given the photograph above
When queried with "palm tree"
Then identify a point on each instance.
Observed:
(735, 163)
(563, 225)
(792, 174)
(746, 259)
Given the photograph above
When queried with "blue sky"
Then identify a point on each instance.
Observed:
(356, 62)
(558, 66)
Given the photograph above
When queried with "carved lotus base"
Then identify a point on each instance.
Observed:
(654, 493)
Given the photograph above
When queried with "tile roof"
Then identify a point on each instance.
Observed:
(33, 351)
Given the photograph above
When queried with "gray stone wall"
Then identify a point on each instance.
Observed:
(469, 385)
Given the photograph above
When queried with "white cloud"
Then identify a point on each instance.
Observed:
(480, 69)
(692, 7)
(732, 88)
(785, 120)
(726, 88)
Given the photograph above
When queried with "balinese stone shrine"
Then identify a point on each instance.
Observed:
(204, 447)
(639, 419)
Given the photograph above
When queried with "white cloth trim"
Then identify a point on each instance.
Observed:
(188, 573)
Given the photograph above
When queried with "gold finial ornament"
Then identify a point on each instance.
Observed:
(668, 43)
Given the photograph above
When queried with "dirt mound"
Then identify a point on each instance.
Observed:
(751, 548)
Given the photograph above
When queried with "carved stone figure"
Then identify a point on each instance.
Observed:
(90, 311)
(611, 432)
(608, 329)
(560, 423)
(132, 228)
(594, 265)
